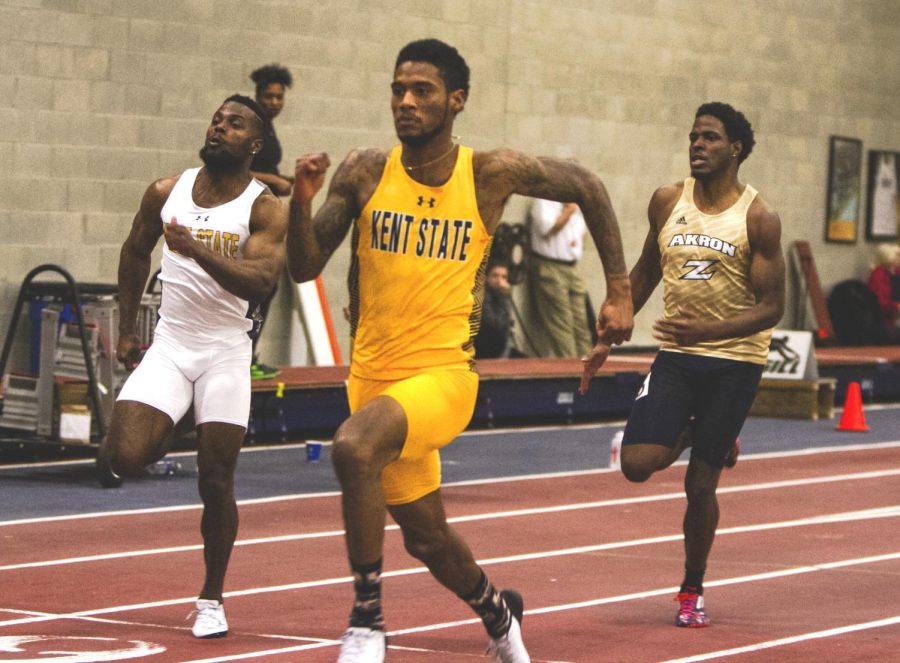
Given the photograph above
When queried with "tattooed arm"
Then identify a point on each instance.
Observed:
(501, 173)
(312, 240)
(645, 275)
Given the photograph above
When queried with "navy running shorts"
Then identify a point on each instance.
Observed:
(712, 394)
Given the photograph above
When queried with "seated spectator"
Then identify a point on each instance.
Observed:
(494, 338)
(884, 282)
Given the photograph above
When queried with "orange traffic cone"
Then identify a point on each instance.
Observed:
(853, 418)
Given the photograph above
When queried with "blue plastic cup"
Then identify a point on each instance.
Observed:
(313, 451)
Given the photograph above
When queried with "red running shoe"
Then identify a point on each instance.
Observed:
(732, 455)
(691, 613)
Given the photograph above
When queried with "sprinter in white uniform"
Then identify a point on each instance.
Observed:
(223, 250)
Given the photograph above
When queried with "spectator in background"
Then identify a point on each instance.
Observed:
(884, 282)
(271, 82)
(559, 294)
(494, 339)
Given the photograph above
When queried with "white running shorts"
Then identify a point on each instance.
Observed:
(214, 377)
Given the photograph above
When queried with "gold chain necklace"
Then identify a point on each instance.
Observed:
(428, 163)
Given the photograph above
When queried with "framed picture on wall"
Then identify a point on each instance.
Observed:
(844, 175)
(883, 212)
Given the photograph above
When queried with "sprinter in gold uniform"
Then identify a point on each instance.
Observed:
(716, 245)
(423, 215)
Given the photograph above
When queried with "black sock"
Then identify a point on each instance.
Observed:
(693, 579)
(490, 606)
(367, 604)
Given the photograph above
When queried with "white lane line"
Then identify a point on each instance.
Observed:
(486, 432)
(266, 652)
(781, 642)
(291, 446)
(605, 601)
(161, 509)
(169, 627)
(756, 577)
(173, 549)
(766, 455)
(333, 643)
(892, 444)
(850, 516)
(858, 476)
(770, 575)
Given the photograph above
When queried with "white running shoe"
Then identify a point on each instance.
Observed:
(510, 648)
(362, 645)
(210, 621)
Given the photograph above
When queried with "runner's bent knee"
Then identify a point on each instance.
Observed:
(137, 436)
(641, 461)
(636, 472)
(425, 545)
(354, 451)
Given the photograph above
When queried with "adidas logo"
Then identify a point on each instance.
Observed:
(681, 221)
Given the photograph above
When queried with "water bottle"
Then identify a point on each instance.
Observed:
(615, 450)
(166, 467)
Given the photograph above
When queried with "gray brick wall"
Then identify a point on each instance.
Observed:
(100, 97)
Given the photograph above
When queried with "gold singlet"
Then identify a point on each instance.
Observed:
(706, 272)
(417, 274)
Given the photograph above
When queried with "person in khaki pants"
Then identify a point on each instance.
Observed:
(558, 291)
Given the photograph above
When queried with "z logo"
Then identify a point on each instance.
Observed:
(422, 201)
(701, 270)
(203, 218)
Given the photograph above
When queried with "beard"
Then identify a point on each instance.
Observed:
(700, 176)
(222, 161)
(421, 139)
(425, 137)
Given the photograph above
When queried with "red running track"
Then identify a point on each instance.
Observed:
(806, 567)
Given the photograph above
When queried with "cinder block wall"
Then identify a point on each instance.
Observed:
(100, 97)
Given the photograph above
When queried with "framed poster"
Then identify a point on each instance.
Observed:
(842, 210)
(883, 212)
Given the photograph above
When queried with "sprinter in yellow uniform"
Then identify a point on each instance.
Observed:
(424, 214)
(716, 246)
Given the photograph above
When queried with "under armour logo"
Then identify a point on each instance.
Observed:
(422, 201)
(681, 221)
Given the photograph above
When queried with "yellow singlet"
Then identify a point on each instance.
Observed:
(706, 272)
(417, 274)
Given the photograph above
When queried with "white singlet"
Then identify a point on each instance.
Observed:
(193, 304)
(201, 351)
